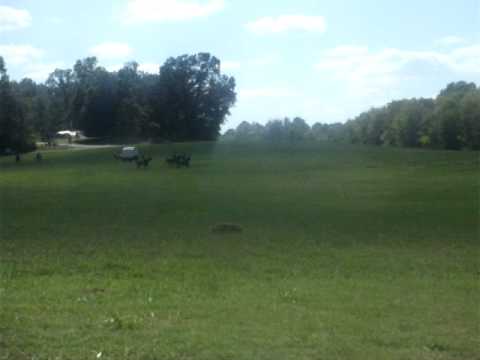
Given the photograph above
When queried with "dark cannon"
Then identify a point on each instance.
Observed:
(179, 160)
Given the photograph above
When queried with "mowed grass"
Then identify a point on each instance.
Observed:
(346, 253)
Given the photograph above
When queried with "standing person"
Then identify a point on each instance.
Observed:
(17, 157)
(38, 157)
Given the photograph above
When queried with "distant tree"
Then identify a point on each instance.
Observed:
(275, 130)
(298, 130)
(457, 90)
(193, 97)
(319, 132)
(470, 110)
(131, 115)
(14, 131)
(85, 69)
(410, 120)
(45, 123)
(100, 104)
(95, 103)
(448, 117)
(190, 99)
(62, 88)
(25, 93)
(447, 122)
(229, 136)
(337, 132)
(456, 117)
(246, 132)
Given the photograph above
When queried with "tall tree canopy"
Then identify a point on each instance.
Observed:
(15, 134)
(189, 99)
(193, 97)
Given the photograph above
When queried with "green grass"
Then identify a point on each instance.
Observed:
(345, 253)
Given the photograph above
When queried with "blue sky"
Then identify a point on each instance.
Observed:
(322, 60)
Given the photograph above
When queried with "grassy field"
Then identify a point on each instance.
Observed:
(346, 253)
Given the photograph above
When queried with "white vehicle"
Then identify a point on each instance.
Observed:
(68, 133)
(129, 153)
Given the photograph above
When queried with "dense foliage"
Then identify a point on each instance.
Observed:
(451, 121)
(188, 100)
(14, 131)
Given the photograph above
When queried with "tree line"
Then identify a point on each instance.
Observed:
(188, 100)
(450, 121)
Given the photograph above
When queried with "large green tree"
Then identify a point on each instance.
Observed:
(133, 106)
(14, 131)
(193, 98)
(470, 110)
(62, 89)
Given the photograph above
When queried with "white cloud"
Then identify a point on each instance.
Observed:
(150, 68)
(269, 92)
(39, 72)
(28, 61)
(20, 54)
(450, 41)
(140, 11)
(111, 50)
(466, 59)
(284, 23)
(13, 19)
(374, 73)
(230, 65)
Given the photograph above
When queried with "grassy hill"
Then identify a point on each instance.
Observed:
(345, 253)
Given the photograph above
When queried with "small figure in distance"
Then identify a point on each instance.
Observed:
(39, 157)
(17, 157)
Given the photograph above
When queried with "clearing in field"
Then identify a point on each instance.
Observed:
(338, 253)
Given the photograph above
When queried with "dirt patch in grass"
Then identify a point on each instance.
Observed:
(227, 228)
